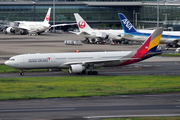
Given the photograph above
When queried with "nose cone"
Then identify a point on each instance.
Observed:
(6, 63)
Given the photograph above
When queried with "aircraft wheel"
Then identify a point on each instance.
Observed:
(22, 73)
(84, 72)
(90, 73)
(95, 72)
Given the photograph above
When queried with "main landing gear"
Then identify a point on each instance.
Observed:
(90, 72)
(21, 73)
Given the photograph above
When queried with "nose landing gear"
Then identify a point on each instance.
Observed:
(21, 73)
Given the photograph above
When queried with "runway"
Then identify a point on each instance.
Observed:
(92, 107)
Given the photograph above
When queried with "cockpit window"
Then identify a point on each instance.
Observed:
(11, 59)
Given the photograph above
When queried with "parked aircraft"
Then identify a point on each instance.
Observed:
(81, 61)
(89, 33)
(31, 27)
(171, 38)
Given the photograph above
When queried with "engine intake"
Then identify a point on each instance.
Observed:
(10, 30)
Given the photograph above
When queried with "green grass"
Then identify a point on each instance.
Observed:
(57, 87)
(6, 69)
(148, 118)
(170, 54)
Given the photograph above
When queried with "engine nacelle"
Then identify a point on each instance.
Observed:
(76, 68)
(10, 30)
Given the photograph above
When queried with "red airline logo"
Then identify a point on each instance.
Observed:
(49, 58)
(81, 24)
(47, 17)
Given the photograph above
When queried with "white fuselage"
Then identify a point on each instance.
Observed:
(64, 60)
(112, 34)
(167, 37)
(34, 27)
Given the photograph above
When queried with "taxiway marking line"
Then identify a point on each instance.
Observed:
(120, 116)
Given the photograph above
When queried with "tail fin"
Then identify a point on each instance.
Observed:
(149, 47)
(147, 50)
(127, 26)
(83, 26)
(46, 20)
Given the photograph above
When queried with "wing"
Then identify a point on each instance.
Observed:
(92, 62)
(21, 28)
(80, 33)
(63, 24)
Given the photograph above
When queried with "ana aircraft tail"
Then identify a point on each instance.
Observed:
(127, 26)
(46, 20)
(148, 49)
(83, 26)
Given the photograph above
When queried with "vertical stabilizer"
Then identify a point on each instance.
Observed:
(83, 26)
(147, 49)
(46, 20)
(127, 26)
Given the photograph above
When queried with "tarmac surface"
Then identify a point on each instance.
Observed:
(95, 108)
(91, 108)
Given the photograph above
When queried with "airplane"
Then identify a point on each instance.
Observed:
(89, 33)
(171, 38)
(31, 27)
(81, 61)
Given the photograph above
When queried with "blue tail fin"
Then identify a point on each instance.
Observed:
(127, 26)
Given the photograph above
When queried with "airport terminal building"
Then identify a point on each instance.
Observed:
(98, 13)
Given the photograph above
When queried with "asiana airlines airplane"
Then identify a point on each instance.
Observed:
(81, 61)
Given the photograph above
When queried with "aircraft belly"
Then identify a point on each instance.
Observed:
(136, 38)
(38, 65)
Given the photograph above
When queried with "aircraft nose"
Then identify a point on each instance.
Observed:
(6, 63)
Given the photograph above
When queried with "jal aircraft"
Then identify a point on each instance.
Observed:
(31, 27)
(81, 61)
(171, 38)
(89, 33)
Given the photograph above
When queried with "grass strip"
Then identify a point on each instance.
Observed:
(170, 54)
(147, 118)
(58, 87)
(6, 69)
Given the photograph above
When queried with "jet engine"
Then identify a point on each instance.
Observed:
(10, 30)
(76, 68)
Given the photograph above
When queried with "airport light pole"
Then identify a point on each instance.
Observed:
(158, 14)
(136, 17)
(133, 16)
(165, 14)
(53, 14)
(34, 3)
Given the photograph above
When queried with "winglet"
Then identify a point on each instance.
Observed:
(127, 26)
(46, 19)
(83, 26)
